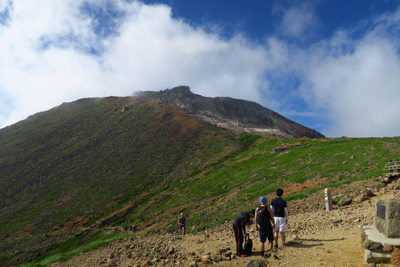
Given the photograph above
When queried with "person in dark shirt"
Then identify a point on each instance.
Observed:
(239, 224)
(182, 224)
(279, 206)
(263, 218)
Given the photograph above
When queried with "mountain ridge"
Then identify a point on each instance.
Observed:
(233, 114)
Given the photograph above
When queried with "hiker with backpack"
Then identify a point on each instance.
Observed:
(264, 217)
(239, 224)
(279, 206)
(182, 224)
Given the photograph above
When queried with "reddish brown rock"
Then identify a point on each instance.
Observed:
(220, 251)
(387, 247)
(368, 193)
(147, 263)
(362, 198)
(395, 256)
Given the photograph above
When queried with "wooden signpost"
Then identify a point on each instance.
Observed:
(328, 199)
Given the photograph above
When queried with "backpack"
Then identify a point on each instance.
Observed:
(182, 220)
(248, 245)
(263, 216)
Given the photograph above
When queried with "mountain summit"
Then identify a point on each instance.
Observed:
(233, 114)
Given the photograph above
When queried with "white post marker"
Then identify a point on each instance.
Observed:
(328, 199)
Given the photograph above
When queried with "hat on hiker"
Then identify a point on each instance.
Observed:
(252, 211)
(181, 213)
(263, 200)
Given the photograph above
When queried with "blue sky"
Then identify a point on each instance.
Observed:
(333, 66)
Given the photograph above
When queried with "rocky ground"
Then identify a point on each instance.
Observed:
(314, 238)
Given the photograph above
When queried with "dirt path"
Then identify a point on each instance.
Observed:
(329, 247)
(314, 238)
(336, 248)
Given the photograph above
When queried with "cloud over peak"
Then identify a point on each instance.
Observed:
(345, 83)
(57, 52)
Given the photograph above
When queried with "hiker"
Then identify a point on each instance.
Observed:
(279, 206)
(263, 219)
(126, 227)
(182, 224)
(133, 227)
(239, 224)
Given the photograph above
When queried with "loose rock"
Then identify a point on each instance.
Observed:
(255, 263)
(395, 256)
(344, 201)
(371, 245)
(387, 247)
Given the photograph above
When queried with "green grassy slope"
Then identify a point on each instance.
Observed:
(256, 171)
(149, 160)
(88, 158)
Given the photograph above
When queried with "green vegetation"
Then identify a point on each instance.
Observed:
(72, 247)
(116, 161)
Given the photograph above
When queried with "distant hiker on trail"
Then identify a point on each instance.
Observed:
(264, 217)
(126, 227)
(239, 224)
(279, 207)
(182, 224)
(133, 228)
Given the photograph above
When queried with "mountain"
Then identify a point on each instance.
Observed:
(96, 162)
(71, 175)
(234, 114)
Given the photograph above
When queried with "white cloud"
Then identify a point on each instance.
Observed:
(298, 20)
(355, 83)
(44, 58)
(349, 83)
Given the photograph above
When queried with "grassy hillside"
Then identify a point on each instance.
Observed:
(89, 158)
(224, 188)
(97, 162)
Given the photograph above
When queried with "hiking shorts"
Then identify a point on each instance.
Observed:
(280, 224)
(266, 231)
(182, 226)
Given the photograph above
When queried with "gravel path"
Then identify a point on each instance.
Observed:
(314, 238)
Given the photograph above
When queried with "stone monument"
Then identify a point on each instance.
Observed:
(387, 217)
(381, 242)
